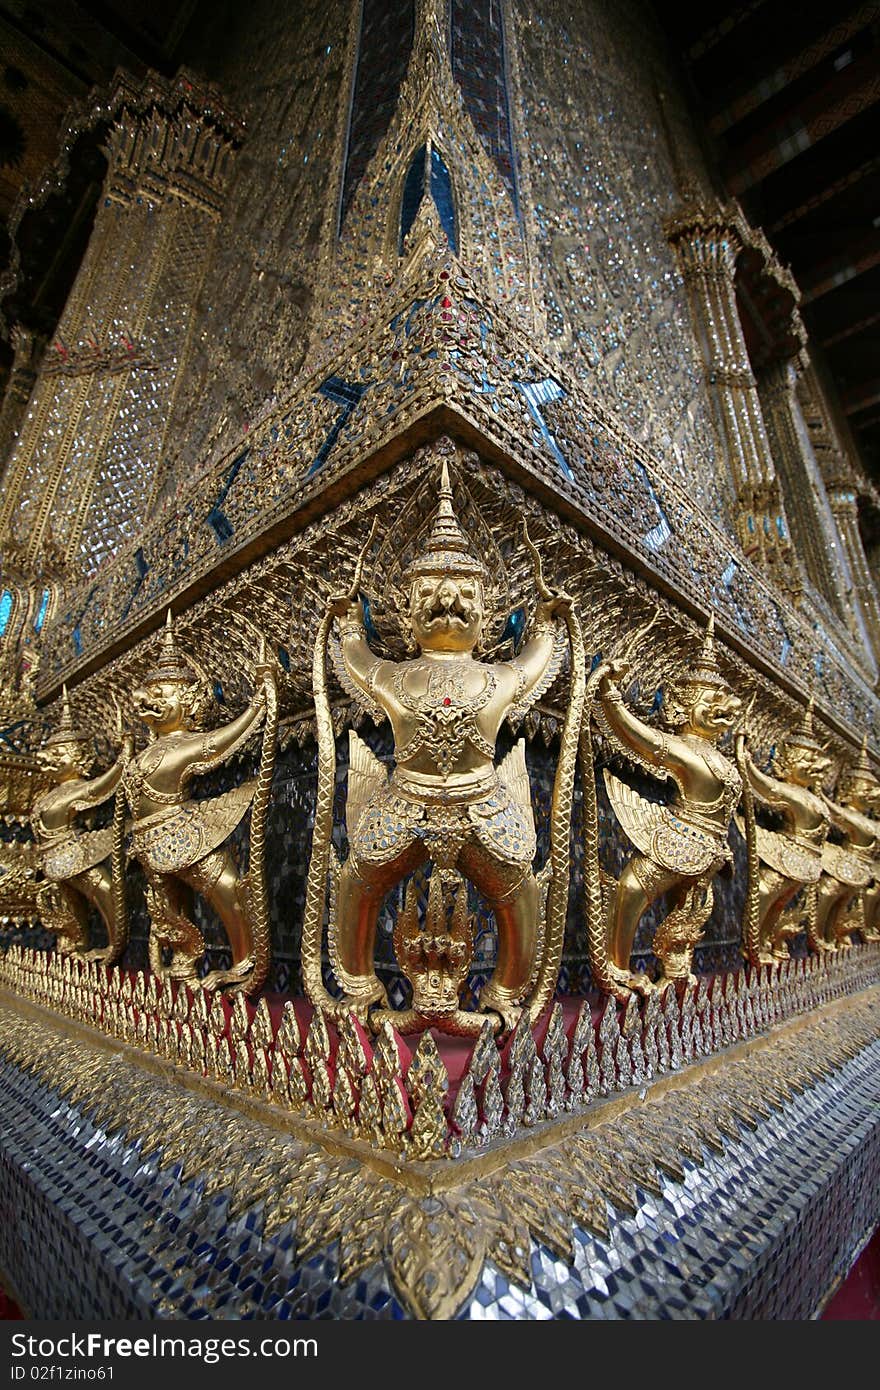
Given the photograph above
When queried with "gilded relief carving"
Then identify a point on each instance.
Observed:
(445, 803)
(180, 842)
(82, 868)
(783, 862)
(680, 846)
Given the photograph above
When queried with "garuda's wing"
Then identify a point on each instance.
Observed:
(847, 868)
(354, 692)
(365, 776)
(780, 852)
(512, 771)
(191, 830)
(659, 834)
(222, 813)
(551, 671)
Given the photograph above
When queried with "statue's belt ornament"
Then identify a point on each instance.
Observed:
(393, 821)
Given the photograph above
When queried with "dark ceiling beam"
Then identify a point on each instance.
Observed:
(861, 396)
(770, 83)
(850, 330)
(838, 270)
(717, 33)
(850, 93)
(832, 158)
(825, 195)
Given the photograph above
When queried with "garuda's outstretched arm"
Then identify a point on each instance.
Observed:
(850, 822)
(96, 790)
(537, 663)
(768, 789)
(219, 744)
(361, 663)
(649, 745)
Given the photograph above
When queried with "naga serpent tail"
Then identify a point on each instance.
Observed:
(322, 833)
(751, 920)
(119, 937)
(560, 824)
(257, 895)
(811, 916)
(595, 906)
(316, 882)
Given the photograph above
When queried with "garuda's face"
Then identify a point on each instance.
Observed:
(446, 612)
(65, 760)
(161, 705)
(804, 765)
(862, 794)
(712, 711)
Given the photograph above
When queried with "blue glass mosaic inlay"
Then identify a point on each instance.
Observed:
(479, 66)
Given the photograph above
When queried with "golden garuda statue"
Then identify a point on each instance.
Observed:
(83, 868)
(446, 803)
(782, 862)
(850, 870)
(179, 842)
(680, 845)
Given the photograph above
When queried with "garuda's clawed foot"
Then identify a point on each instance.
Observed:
(236, 978)
(365, 994)
(495, 999)
(100, 953)
(627, 982)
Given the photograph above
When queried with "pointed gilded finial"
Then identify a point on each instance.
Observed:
(65, 732)
(445, 484)
(802, 736)
(446, 550)
(859, 781)
(862, 765)
(705, 671)
(172, 665)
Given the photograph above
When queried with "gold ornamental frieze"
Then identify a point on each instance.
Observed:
(284, 596)
(442, 360)
(439, 616)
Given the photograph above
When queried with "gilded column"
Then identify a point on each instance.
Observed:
(80, 471)
(809, 513)
(28, 348)
(842, 487)
(707, 243)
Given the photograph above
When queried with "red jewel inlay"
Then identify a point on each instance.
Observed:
(446, 700)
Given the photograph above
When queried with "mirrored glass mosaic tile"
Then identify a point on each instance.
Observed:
(93, 1228)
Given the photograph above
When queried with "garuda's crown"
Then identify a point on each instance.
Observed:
(705, 671)
(66, 732)
(859, 778)
(447, 550)
(803, 736)
(172, 664)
